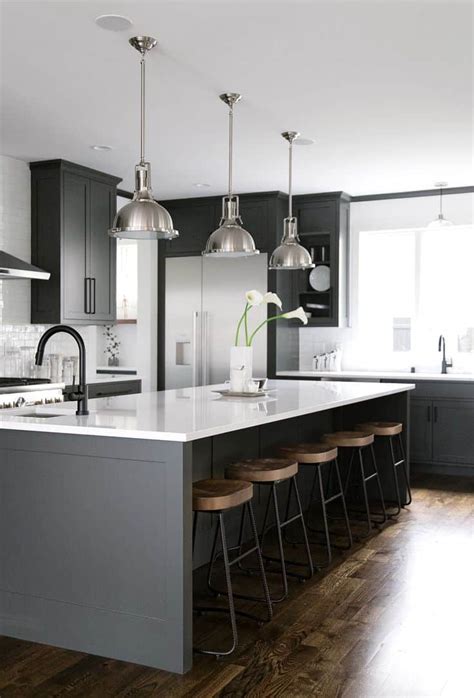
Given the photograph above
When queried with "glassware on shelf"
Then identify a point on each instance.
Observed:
(56, 367)
(68, 370)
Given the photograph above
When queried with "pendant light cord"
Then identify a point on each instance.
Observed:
(142, 115)
(290, 180)
(441, 202)
(231, 143)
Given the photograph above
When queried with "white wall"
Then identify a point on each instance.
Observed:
(15, 235)
(383, 214)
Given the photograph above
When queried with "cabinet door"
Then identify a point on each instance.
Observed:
(453, 431)
(102, 253)
(255, 219)
(194, 222)
(421, 416)
(74, 257)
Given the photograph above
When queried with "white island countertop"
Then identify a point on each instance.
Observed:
(379, 375)
(194, 413)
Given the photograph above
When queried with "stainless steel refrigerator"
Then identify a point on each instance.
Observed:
(204, 301)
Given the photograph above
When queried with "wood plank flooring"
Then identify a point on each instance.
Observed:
(391, 618)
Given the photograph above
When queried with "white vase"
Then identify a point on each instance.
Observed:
(241, 359)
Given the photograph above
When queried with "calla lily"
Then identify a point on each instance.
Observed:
(253, 297)
(272, 298)
(297, 314)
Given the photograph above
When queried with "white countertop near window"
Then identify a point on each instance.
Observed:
(194, 413)
(377, 375)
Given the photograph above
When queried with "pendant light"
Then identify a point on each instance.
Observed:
(143, 218)
(290, 255)
(441, 221)
(230, 239)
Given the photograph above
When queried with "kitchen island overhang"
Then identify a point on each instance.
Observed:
(95, 518)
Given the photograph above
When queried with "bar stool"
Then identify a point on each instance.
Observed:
(272, 472)
(318, 455)
(357, 442)
(391, 430)
(216, 497)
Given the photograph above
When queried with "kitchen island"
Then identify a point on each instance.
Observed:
(95, 511)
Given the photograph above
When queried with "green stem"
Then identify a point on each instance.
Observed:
(244, 314)
(274, 317)
(246, 325)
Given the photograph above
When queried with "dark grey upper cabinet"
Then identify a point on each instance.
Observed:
(323, 224)
(72, 209)
(194, 219)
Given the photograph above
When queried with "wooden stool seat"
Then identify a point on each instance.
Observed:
(262, 469)
(219, 495)
(310, 452)
(382, 428)
(349, 439)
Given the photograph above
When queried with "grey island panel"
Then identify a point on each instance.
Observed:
(95, 545)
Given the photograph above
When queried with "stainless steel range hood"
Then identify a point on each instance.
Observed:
(13, 268)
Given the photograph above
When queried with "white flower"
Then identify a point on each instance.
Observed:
(254, 297)
(272, 298)
(298, 314)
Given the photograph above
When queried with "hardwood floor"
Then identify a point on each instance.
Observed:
(392, 618)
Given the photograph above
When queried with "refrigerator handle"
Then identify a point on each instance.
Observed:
(205, 348)
(196, 350)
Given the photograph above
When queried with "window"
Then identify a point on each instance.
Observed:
(127, 279)
(415, 285)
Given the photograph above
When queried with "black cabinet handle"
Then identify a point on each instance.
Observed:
(87, 295)
(428, 413)
(93, 295)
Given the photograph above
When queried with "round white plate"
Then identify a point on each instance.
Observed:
(320, 278)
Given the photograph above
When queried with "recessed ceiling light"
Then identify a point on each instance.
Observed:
(113, 23)
(201, 185)
(101, 147)
(303, 141)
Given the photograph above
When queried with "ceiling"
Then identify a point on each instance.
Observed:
(384, 88)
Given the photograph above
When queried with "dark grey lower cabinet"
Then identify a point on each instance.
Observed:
(442, 424)
(421, 441)
(453, 431)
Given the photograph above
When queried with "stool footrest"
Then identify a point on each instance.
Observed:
(333, 498)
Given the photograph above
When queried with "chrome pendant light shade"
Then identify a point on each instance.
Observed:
(230, 239)
(290, 255)
(441, 221)
(143, 218)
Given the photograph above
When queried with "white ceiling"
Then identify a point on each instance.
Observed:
(384, 88)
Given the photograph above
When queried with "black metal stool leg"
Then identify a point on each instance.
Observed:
(395, 480)
(408, 500)
(284, 577)
(231, 610)
(364, 490)
(344, 507)
(349, 471)
(210, 568)
(303, 526)
(325, 520)
(379, 484)
(266, 591)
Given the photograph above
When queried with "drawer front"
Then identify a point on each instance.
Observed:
(439, 389)
(110, 389)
